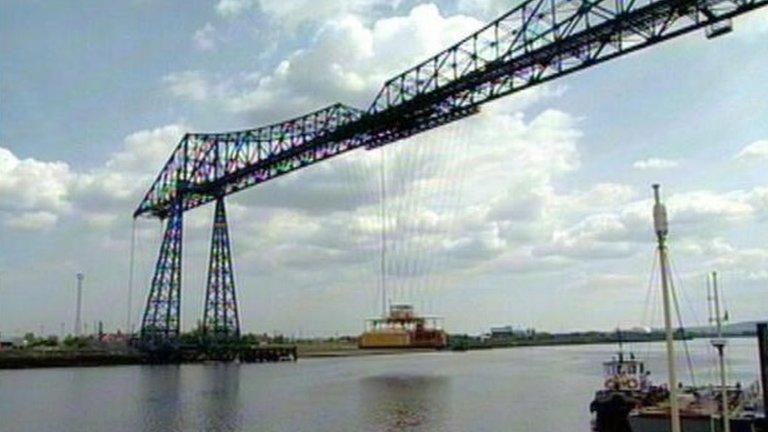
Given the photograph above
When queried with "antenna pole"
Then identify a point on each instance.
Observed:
(709, 302)
(719, 343)
(78, 310)
(662, 229)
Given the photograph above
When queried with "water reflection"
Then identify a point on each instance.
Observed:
(160, 397)
(403, 402)
(221, 398)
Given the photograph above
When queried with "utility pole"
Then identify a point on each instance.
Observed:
(661, 226)
(78, 310)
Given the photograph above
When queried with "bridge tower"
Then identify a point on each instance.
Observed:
(161, 323)
(221, 321)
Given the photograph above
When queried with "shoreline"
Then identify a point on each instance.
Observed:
(20, 359)
(45, 360)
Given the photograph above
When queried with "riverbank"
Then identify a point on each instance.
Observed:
(126, 355)
(31, 358)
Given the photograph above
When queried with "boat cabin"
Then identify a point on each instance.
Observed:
(628, 374)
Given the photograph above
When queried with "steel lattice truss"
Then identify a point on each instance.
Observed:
(220, 320)
(161, 316)
(207, 165)
(537, 41)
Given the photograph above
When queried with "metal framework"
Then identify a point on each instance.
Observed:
(161, 320)
(221, 322)
(537, 41)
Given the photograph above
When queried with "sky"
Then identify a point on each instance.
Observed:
(536, 212)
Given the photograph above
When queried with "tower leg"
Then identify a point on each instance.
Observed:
(221, 322)
(161, 324)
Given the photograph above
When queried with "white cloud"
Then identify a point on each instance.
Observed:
(599, 198)
(600, 236)
(291, 14)
(348, 60)
(204, 37)
(102, 194)
(691, 210)
(755, 152)
(145, 151)
(33, 193)
(233, 8)
(190, 85)
(32, 221)
(655, 163)
(36, 194)
(752, 25)
(489, 9)
(622, 228)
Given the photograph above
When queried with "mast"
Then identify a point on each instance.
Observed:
(719, 343)
(661, 227)
(621, 344)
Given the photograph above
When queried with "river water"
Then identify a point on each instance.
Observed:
(523, 389)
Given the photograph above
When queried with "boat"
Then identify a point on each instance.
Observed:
(403, 328)
(701, 409)
(626, 383)
(628, 376)
(630, 402)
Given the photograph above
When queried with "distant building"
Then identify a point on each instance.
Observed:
(11, 343)
(508, 332)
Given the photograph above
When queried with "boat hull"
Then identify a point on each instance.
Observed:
(661, 423)
(426, 339)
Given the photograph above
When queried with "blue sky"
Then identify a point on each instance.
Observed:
(551, 211)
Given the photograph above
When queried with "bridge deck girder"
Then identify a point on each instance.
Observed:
(537, 41)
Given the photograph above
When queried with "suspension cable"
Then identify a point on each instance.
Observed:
(673, 290)
(131, 260)
(383, 210)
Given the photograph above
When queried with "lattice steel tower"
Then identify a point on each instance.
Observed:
(161, 322)
(220, 320)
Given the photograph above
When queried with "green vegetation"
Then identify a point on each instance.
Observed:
(75, 342)
(32, 341)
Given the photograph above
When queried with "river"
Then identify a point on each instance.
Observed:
(522, 389)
